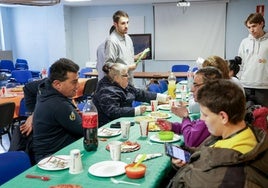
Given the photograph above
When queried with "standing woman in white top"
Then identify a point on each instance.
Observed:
(254, 53)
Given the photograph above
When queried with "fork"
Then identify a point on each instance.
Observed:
(125, 182)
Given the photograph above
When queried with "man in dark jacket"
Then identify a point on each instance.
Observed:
(56, 122)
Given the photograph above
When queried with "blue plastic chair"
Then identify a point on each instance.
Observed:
(180, 68)
(13, 163)
(21, 76)
(7, 65)
(163, 85)
(84, 70)
(195, 69)
(21, 66)
(154, 88)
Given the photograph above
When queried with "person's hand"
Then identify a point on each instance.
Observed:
(164, 124)
(132, 66)
(177, 162)
(180, 111)
(142, 109)
(27, 127)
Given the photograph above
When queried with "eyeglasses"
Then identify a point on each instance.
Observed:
(124, 75)
(195, 85)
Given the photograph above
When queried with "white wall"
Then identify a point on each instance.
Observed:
(43, 34)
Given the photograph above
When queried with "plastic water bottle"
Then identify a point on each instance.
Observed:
(44, 73)
(90, 126)
(190, 79)
(172, 85)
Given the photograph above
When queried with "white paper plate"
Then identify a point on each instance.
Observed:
(55, 162)
(108, 132)
(107, 168)
(155, 138)
(9, 95)
(163, 116)
(164, 107)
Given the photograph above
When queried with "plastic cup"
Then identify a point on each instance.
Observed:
(144, 128)
(172, 103)
(115, 150)
(125, 128)
(76, 166)
(154, 104)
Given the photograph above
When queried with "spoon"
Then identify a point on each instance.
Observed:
(140, 161)
(44, 178)
(125, 182)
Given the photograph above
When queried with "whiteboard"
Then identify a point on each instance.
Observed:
(197, 31)
(98, 31)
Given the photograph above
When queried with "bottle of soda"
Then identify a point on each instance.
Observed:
(172, 85)
(90, 126)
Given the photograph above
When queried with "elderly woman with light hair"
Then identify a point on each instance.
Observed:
(114, 95)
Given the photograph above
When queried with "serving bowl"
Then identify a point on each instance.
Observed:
(166, 135)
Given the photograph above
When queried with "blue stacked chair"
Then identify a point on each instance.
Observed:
(7, 65)
(154, 88)
(84, 70)
(21, 76)
(21, 64)
(163, 85)
(180, 68)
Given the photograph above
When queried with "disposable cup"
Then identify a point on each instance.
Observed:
(144, 128)
(76, 166)
(125, 128)
(154, 104)
(115, 150)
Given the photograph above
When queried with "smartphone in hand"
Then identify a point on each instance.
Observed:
(177, 153)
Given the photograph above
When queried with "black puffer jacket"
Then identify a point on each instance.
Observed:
(112, 101)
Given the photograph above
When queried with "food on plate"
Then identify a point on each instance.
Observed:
(138, 119)
(159, 114)
(153, 127)
(163, 124)
(55, 162)
(127, 146)
(135, 172)
(166, 135)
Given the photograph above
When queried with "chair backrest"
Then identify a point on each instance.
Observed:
(163, 85)
(12, 164)
(6, 114)
(154, 88)
(90, 86)
(84, 70)
(180, 68)
(23, 61)
(7, 64)
(21, 66)
(21, 76)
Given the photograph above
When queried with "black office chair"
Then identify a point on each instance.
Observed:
(89, 89)
(6, 120)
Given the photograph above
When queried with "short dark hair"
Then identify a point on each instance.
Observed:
(60, 68)
(209, 73)
(256, 18)
(118, 14)
(223, 95)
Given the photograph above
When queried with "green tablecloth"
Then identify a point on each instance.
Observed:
(156, 168)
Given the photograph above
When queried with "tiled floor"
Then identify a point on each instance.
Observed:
(5, 142)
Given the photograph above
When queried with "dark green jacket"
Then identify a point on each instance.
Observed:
(218, 167)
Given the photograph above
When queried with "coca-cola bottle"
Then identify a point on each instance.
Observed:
(90, 126)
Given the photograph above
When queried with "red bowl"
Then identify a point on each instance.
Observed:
(135, 172)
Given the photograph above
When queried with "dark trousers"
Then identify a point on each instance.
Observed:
(258, 96)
